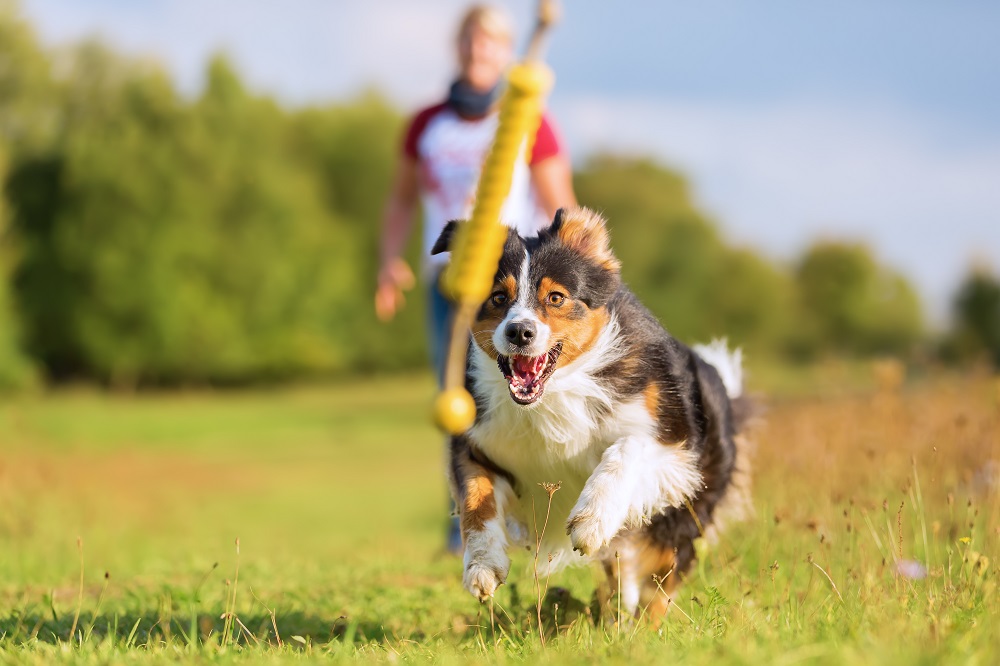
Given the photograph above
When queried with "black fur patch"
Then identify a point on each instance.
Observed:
(443, 242)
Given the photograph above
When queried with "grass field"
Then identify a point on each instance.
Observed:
(875, 538)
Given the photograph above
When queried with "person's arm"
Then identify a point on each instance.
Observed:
(553, 182)
(551, 173)
(394, 274)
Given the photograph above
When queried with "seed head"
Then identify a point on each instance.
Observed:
(551, 488)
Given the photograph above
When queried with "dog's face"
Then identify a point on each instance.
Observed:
(549, 299)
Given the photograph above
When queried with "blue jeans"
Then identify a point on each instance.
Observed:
(440, 313)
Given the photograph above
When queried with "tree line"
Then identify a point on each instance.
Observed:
(152, 237)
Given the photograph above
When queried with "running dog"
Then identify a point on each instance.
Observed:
(577, 384)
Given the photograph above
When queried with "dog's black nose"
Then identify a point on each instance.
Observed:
(520, 333)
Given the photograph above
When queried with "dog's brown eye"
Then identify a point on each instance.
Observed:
(556, 299)
(498, 299)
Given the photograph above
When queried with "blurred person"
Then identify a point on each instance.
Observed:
(443, 153)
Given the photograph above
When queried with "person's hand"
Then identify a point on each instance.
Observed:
(394, 277)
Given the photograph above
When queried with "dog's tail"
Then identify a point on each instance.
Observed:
(737, 503)
(729, 364)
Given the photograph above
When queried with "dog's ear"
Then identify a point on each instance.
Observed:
(584, 231)
(443, 243)
(557, 221)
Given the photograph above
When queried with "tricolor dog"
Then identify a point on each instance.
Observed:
(577, 383)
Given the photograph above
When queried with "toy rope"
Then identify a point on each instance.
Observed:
(478, 243)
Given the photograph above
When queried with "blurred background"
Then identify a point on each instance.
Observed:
(193, 188)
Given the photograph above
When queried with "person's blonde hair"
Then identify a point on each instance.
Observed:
(491, 20)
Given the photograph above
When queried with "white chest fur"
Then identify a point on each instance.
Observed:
(560, 439)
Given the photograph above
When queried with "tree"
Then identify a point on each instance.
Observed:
(354, 149)
(27, 90)
(976, 311)
(676, 261)
(173, 242)
(851, 305)
(15, 370)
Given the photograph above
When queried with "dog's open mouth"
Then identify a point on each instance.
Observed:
(526, 375)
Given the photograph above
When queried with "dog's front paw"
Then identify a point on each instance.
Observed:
(587, 533)
(482, 578)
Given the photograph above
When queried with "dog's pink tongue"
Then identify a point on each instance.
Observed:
(527, 368)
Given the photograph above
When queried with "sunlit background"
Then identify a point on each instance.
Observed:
(796, 134)
(871, 120)
(196, 396)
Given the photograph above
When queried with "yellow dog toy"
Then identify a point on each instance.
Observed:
(479, 242)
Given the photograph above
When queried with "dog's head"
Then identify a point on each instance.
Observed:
(549, 299)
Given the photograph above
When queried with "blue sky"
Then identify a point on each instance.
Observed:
(869, 119)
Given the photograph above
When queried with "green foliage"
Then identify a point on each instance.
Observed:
(354, 150)
(26, 85)
(26, 122)
(164, 239)
(15, 370)
(976, 311)
(179, 242)
(851, 305)
(675, 260)
(839, 299)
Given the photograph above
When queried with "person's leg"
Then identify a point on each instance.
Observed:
(441, 313)
(440, 316)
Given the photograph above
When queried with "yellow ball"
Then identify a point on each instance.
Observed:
(454, 411)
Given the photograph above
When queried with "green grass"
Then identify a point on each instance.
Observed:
(337, 497)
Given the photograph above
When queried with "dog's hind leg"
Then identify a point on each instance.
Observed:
(657, 569)
(623, 584)
(643, 573)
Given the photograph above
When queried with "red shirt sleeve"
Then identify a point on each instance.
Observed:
(547, 142)
(411, 140)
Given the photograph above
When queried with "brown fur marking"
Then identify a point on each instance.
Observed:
(652, 396)
(509, 285)
(628, 365)
(655, 561)
(652, 561)
(643, 559)
(480, 504)
(584, 231)
(577, 335)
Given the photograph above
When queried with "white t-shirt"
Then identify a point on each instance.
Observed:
(449, 151)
